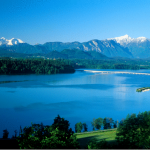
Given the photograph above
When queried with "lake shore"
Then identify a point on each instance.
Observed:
(144, 89)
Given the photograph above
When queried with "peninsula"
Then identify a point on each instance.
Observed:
(144, 89)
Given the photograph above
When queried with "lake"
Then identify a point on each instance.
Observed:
(77, 97)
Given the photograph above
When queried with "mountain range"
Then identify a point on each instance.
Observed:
(123, 46)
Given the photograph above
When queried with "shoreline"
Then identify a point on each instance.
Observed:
(144, 89)
(116, 72)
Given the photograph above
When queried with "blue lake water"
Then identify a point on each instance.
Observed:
(77, 97)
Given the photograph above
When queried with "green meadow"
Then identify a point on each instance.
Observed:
(108, 135)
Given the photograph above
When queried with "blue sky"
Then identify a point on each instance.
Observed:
(40, 21)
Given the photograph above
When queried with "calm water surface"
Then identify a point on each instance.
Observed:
(76, 97)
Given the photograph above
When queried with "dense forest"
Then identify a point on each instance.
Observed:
(116, 63)
(35, 66)
(54, 66)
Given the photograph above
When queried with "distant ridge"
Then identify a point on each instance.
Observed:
(123, 46)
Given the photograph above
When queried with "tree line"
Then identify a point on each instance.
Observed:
(107, 123)
(37, 136)
(50, 66)
(111, 64)
(35, 66)
(132, 132)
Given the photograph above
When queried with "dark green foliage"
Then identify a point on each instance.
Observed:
(5, 134)
(95, 144)
(107, 122)
(85, 127)
(115, 124)
(125, 66)
(78, 127)
(56, 136)
(97, 123)
(111, 64)
(83, 59)
(35, 66)
(62, 125)
(93, 123)
(134, 131)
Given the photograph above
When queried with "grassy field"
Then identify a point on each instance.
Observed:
(109, 136)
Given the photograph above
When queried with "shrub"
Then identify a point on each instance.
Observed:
(134, 132)
(78, 127)
(58, 136)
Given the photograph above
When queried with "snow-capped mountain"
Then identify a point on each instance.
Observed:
(123, 46)
(10, 42)
(126, 39)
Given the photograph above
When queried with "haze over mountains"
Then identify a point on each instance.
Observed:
(123, 46)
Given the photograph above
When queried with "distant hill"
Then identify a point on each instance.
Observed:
(75, 54)
(27, 48)
(10, 53)
(56, 55)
